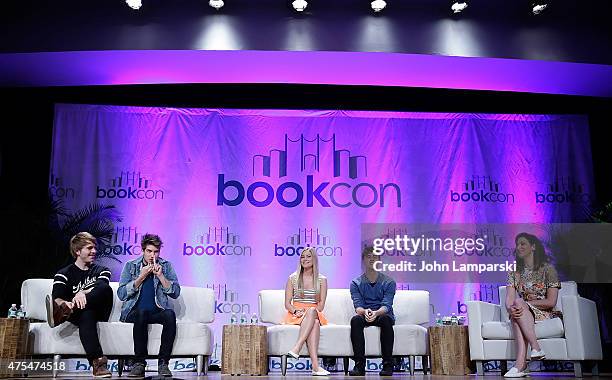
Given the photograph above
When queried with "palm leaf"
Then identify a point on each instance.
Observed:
(97, 219)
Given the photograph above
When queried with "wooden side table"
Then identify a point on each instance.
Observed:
(244, 350)
(449, 349)
(13, 341)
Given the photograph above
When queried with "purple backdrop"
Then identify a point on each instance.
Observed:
(235, 193)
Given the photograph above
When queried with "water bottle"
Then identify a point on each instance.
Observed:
(454, 320)
(254, 319)
(21, 313)
(243, 319)
(12, 313)
(234, 319)
(438, 320)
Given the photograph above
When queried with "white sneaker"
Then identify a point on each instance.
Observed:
(293, 355)
(538, 355)
(514, 372)
(320, 372)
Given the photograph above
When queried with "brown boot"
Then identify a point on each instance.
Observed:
(99, 367)
(56, 314)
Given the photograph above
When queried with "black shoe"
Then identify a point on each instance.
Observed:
(357, 371)
(387, 370)
(162, 369)
(138, 370)
(330, 364)
(398, 363)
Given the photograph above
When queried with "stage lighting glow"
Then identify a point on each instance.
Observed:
(539, 8)
(134, 4)
(299, 5)
(217, 4)
(459, 6)
(378, 5)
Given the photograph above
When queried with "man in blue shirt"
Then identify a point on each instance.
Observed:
(372, 295)
(145, 285)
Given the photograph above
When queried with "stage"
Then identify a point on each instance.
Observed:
(336, 376)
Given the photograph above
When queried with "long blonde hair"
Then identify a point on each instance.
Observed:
(299, 273)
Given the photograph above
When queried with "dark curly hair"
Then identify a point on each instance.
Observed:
(539, 255)
(151, 239)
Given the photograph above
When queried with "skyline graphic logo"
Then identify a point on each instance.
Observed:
(496, 245)
(226, 300)
(313, 158)
(130, 185)
(314, 193)
(486, 293)
(481, 188)
(564, 190)
(125, 241)
(307, 237)
(57, 189)
(217, 241)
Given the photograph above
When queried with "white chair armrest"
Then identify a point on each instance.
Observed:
(478, 313)
(581, 328)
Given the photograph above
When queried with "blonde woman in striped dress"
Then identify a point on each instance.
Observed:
(305, 295)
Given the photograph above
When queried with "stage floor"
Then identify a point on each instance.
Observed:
(334, 376)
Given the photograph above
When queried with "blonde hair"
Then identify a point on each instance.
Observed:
(298, 280)
(80, 240)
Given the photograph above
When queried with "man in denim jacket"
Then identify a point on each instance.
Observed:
(145, 285)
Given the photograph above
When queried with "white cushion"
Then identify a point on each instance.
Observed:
(116, 339)
(272, 306)
(40, 339)
(411, 307)
(339, 307)
(336, 340)
(555, 349)
(408, 340)
(550, 328)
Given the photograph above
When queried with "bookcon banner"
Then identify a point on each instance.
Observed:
(236, 194)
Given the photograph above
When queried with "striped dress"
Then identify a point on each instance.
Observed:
(304, 299)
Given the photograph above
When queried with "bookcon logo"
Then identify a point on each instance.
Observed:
(125, 241)
(495, 244)
(307, 237)
(226, 300)
(313, 193)
(564, 190)
(57, 189)
(129, 185)
(217, 241)
(481, 189)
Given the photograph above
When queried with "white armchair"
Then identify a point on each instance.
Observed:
(575, 338)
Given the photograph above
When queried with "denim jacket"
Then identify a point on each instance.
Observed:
(129, 295)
